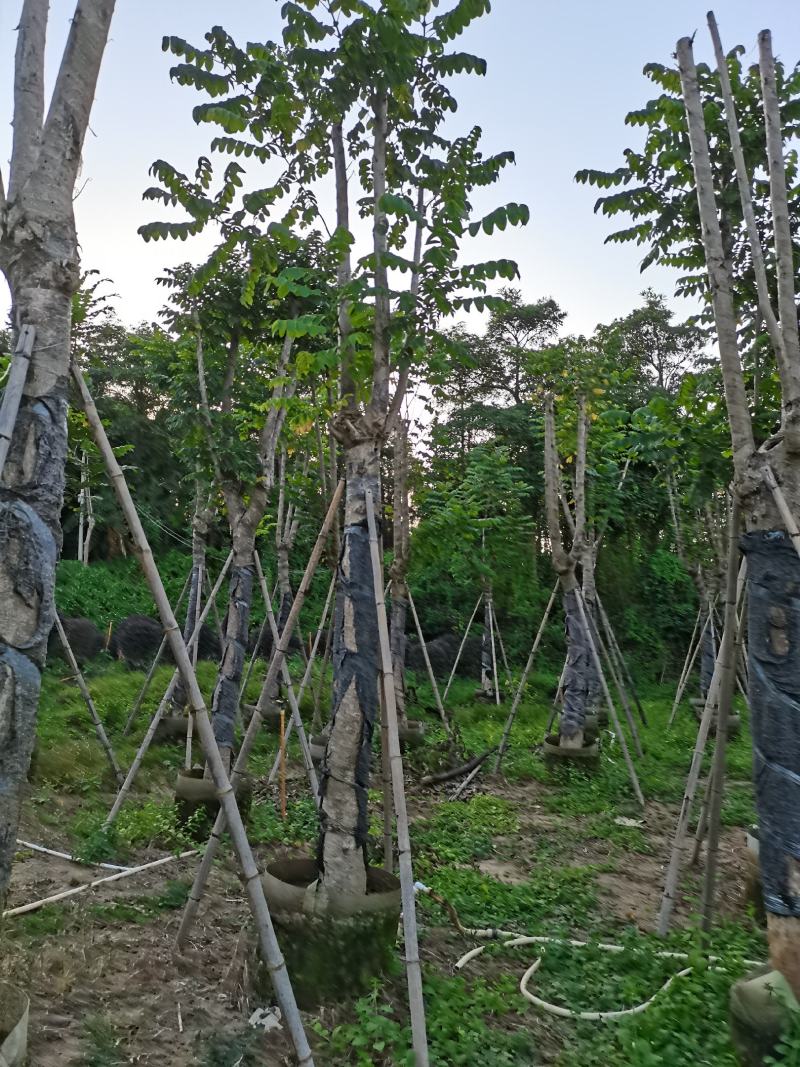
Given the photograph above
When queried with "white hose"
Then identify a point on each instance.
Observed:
(516, 941)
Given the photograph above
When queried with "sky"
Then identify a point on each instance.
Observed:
(561, 77)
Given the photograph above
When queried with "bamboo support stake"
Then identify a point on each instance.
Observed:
(66, 856)
(494, 655)
(12, 394)
(461, 648)
(133, 770)
(622, 665)
(153, 666)
(282, 754)
(681, 688)
(413, 969)
(99, 729)
(688, 660)
(127, 872)
(250, 874)
(215, 839)
(702, 823)
(386, 783)
(500, 641)
(789, 520)
(304, 685)
(620, 688)
(728, 653)
(673, 868)
(431, 676)
(623, 743)
(523, 680)
(197, 612)
(294, 702)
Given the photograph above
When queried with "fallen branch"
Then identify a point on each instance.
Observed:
(455, 772)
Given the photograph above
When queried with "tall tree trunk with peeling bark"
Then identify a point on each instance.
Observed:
(773, 571)
(356, 650)
(575, 686)
(40, 260)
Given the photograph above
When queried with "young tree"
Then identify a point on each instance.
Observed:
(40, 261)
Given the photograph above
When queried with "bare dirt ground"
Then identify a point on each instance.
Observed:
(98, 968)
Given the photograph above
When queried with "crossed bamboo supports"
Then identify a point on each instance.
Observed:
(229, 811)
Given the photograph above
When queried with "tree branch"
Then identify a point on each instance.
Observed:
(379, 400)
(719, 280)
(344, 270)
(68, 116)
(28, 92)
(787, 309)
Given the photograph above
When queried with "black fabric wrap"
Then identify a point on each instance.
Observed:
(226, 695)
(576, 674)
(361, 665)
(773, 624)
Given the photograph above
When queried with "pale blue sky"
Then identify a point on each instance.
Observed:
(561, 78)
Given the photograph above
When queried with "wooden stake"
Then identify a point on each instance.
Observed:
(12, 394)
(250, 873)
(461, 648)
(215, 840)
(789, 520)
(99, 729)
(431, 676)
(133, 770)
(153, 666)
(413, 969)
(197, 624)
(494, 655)
(523, 680)
(386, 781)
(612, 711)
(500, 641)
(688, 659)
(623, 696)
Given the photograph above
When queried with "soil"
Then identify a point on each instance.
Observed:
(167, 1009)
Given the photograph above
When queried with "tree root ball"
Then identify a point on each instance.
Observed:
(330, 955)
(586, 759)
(137, 638)
(84, 638)
(760, 1006)
(442, 652)
(198, 805)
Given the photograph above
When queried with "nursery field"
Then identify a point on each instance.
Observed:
(564, 856)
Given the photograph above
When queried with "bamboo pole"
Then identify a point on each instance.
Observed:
(431, 676)
(133, 770)
(413, 968)
(612, 711)
(215, 840)
(126, 872)
(789, 520)
(622, 664)
(494, 654)
(12, 394)
(500, 641)
(681, 688)
(294, 703)
(461, 648)
(198, 604)
(623, 696)
(520, 688)
(688, 658)
(673, 868)
(250, 874)
(307, 678)
(66, 856)
(99, 729)
(282, 756)
(728, 653)
(386, 783)
(153, 666)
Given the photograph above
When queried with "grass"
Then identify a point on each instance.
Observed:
(474, 1016)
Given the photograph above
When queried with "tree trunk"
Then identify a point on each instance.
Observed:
(575, 685)
(225, 702)
(588, 559)
(356, 662)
